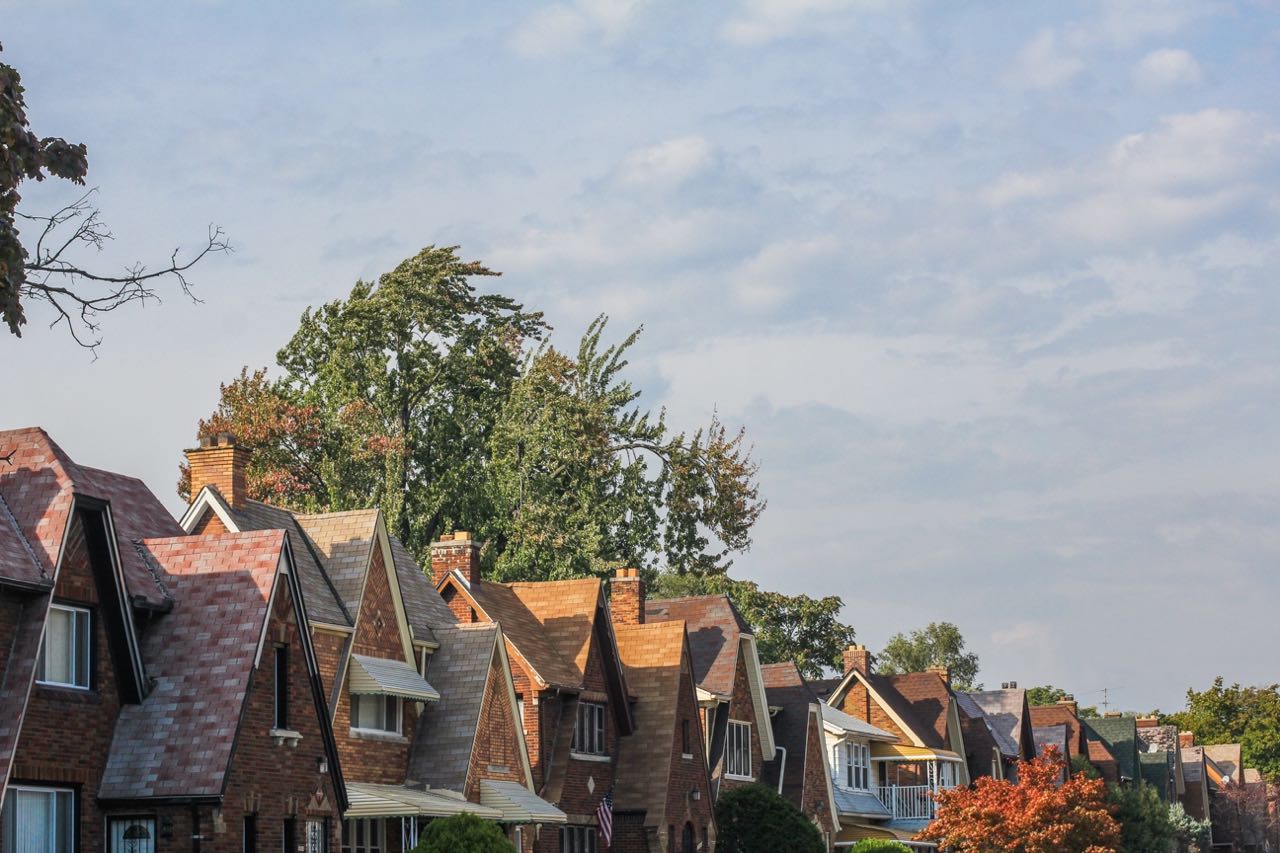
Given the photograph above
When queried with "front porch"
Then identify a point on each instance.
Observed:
(909, 779)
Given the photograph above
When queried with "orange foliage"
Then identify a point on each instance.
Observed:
(1037, 815)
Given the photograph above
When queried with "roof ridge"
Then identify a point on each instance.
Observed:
(17, 528)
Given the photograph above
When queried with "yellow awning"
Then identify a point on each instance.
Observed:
(898, 752)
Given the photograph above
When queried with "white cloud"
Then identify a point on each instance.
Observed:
(1167, 67)
(561, 27)
(666, 163)
(1044, 64)
(1125, 23)
(761, 21)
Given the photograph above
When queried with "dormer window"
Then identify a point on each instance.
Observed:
(738, 752)
(68, 639)
(371, 712)
(857, 766)
(588, 730)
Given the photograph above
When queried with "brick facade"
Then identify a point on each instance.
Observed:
(814, 797)
(688, 774)
(497, 748)
(626, 598)
(741, 709)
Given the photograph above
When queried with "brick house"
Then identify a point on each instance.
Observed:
(424, 714)
(731, 694)
(920, 710)
(1006, 716)
(569, 681)
(192, 731)
(1064, 713)
(663, 796)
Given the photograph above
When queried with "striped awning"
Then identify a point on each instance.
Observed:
(518, 804)
(386, 677)
(369, 800)
(899, 752)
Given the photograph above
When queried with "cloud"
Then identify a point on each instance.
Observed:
(761, 21)
(667, 163)
(562, 27)
(1043, 64)
(1166, 68)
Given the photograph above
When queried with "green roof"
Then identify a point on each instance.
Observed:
(1120, 734)
(1155, 771)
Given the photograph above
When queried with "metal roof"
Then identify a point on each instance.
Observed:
(839, 719)
(517, 803)
(369, 800)
(389, 678)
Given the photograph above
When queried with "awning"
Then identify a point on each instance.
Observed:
(389, 678)
(898, 752)
(518, 804)
(852, 833)
(369, 800)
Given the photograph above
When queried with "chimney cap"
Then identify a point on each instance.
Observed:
(461, 536)
(626, 574)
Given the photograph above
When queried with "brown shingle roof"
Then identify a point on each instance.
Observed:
(179, 741)
(921, 699)
(1228, 758)
(553, 658)
(1054, 715)
(714, 626)
(344, 541)
(652, 655)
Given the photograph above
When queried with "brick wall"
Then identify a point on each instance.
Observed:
(687, 774)
(813, 797)
(209, 523)
(742, 710)
(858, 703)
(46, 755)
(496, 754)
(330, 646)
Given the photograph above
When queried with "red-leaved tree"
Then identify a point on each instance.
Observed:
(1036, 815)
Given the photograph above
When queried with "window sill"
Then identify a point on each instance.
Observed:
(734, 777)
(378, 735)
(285, 736)
(68, 692)
(586, 756)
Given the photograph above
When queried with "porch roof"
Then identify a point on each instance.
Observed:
(901, 752)
(369, 800)
(518, 804)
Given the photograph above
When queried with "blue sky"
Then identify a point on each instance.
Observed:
(992, 286)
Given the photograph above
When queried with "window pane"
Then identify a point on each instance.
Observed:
(83, 639)
(57, 646)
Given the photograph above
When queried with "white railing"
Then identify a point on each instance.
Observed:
(908, 802)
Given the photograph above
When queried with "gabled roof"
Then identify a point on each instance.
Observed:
(1120, 734)
(714, 625)
(1047, 736)
(344, 541)
(1003, 710)
(444, 738)
(1154, 768)
(980, 742)
(788, 693)
(425, 609)
(523, 628)
(834, 718)
(200, 656)
(1051, 715)
(1228, 757)
(652, 654)
(1101, 757)
(1193, 763)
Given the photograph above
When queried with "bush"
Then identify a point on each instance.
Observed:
(1189, 833)
(876, 845)
(463, 832)
(754, 819)
(1144, 819)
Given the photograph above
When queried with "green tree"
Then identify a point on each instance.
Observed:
(585, 480)
(388, 399)
(50, 272)
(463, 832)
(1080, 764)
(876, 845)
(1188, 832)
(1144, 818)
(1045, 695)
(755, 819)
(795, 628)
(937, 644)
(1249, 716)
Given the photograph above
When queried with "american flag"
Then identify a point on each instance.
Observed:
(604, 814)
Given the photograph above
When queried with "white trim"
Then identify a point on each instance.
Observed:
(282, 569)
(76, 641)
(755, 678)
(208, 499)
(816, 711)
(517, 707)
(389, 563)
(843, 687)
(588, 756)
(331, 628)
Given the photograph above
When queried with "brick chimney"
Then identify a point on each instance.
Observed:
(857, 657)
(458, 552)
(221, 463)
(1148, 722)
(1186, 740)
(942, 672)
(1112, 715)
(626, 597)
(1069, 702)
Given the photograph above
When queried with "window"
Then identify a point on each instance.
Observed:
(685, 746)
(577, 839)
(39, 819)
(131, 835)
(857, 766)
(588, 730)
(687, 844)
(282, 687)
(318, 836)
(64, 660)
(250, 833)
(520, 707)
(289, 844)
(738, 754)
(363, 835)
(375, 713)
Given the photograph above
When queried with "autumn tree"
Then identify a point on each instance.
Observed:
(937, 644)
(1249, 716)
(1035, 815)
(585, 479)
(807, 631)
(47, 267)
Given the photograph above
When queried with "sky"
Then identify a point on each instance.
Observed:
(992, 287)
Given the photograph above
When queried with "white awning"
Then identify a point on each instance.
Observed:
(386, 677)
(369, 800)
(518, 804)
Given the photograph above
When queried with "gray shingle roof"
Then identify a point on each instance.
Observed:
(344, 541)
(1003, 710)
(442, 741)
(424, 608)
(1046, 736)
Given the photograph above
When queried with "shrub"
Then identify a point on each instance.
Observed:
(463, 832)
(754, 819)
(1189, 833)
(877, 845)
(1144, 819)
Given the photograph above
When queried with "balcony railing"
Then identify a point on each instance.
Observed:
(908, 802)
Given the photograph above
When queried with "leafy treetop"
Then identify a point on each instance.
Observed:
(937, 644)
(1249, 716)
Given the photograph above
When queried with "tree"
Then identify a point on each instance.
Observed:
(938, 644)
(1035, 815)
(1045, 695)
(388, 399)
(876, 845)
(1249, 716)
(1189, 834)
(50, 272)
(1144, 819)
(463, 832)
(585, 480)
(795, 628)
(755, 819)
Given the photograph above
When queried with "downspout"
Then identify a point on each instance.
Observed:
(782, 767)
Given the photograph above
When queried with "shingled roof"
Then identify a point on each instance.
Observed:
(1120, 734)
(178, 742)
(1228, 757)
(344, 542)
(714, 626)
(787, 691)
(1004, 710)
(425, 609)
(552, 658)
(1053, 715)
(921, 699)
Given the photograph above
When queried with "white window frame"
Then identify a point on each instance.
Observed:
(589, 732)
(737, 741)
(68, 825)
(358, 723)
(577, 839)
(79, 646)
(317, 839)
(364, 835)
